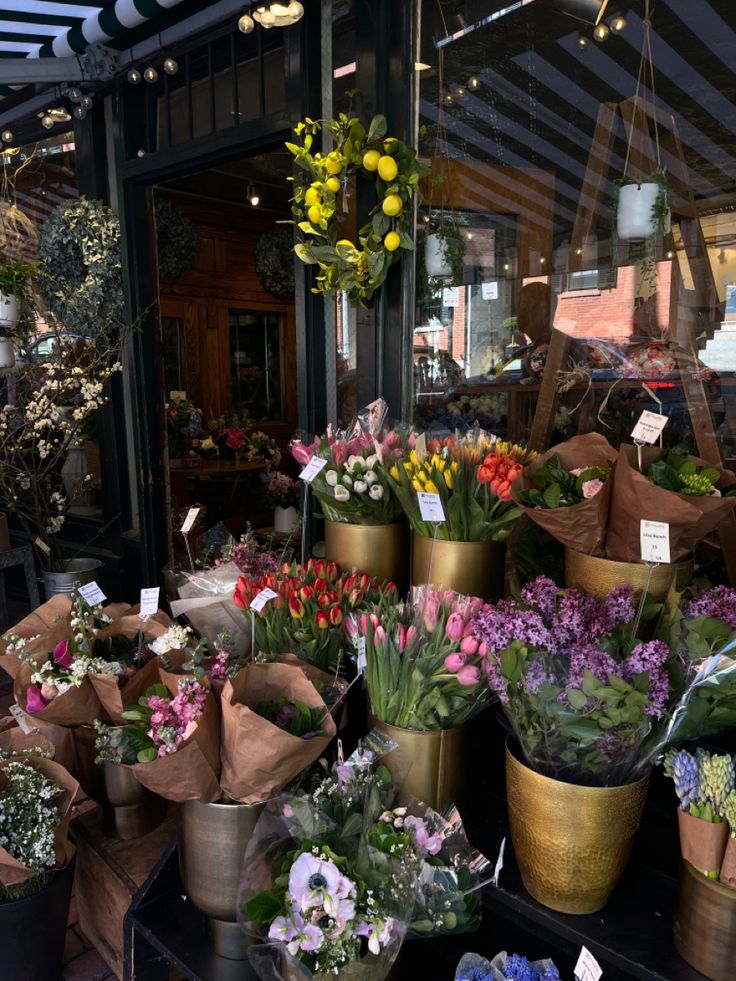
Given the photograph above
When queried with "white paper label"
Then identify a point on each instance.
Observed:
(315, 465)
(421, 447)
(649, 427)
(489, 291)
(451, 296)
(655, 541)
(499, 863)
(362, 659)
(430, 507)
(177, 396)
(189, 520)
(43, 546)
(587, 967)
(20, 717)
(149, 601)
(340, 753)
(259, 601)
(92, 594)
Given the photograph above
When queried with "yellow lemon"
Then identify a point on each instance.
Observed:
(312, 196)
(387, 169)
(347, 242)
(370, 159)
(392, 205)
(315, 214)
(388, 141)
(333, 164)
(391, 241)
(333, 184)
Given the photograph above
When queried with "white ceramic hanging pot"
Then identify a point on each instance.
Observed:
(435, 259)
(635, 219)
(7, 352)
(9, 308)
(285, 520)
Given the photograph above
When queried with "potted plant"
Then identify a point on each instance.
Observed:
(282, 494)
(16, 300)
(642, 208)
(444, 250)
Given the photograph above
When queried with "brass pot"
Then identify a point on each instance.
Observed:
(378, 550)
(427, 765)
(212, 842)
(131, 809)
(472, 568)
(598, 576)
(705, 925)
(571, 843)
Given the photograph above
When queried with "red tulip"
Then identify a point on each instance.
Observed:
(322, 619)
(336, 616)
(296, 607)
(306, 592)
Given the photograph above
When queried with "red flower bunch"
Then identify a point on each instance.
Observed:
(234, 438)
(308, 614)
(500, 468)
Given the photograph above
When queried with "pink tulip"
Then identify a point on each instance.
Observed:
(468, 675)
(391, 439)
(455, 662)
(401, 638)
(482, 649)
(339, 453)
(35, 702)
(430, 611)
(62, 656)
(301, 453)
(454, 626)
(411, 633)
(380, 635)
(469, 645)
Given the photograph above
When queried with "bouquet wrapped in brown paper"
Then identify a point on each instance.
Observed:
(36, 634)
(567, 491)
(172, 739)
(36, 796)
(274, 725)
(634, 496)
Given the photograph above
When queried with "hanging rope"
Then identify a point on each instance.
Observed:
(646, 68)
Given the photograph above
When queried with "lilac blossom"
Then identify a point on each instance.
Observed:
(651, 657)
(719, 602)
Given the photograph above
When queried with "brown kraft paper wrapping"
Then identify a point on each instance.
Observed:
(48, 623)
(728, 867)
(582, 526)
(192, 772)
(12, 872)
(15, 742)
(258, 758)
(634, 497)
(76, 707)
(339, 709)
(702, 844)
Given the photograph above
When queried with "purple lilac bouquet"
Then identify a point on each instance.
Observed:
(704, 623)
(580, 692)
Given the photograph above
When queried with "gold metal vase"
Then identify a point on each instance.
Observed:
(471, 568)
(427, 765)
(378, 550)
(131, 810)
(212, 841)
(571, 843)
(599, 576)
(705, 925)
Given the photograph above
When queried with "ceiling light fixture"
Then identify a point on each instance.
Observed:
(253, 198)
(591, 11)
(617, 24)
(601, 33)
(275, 14)
(246, 24)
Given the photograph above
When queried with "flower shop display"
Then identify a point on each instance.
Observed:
(282, 493)
(424, 680)
(183, 426)
(36, 860)
(505, 967)
(340, 871)
(358, 268)
(307, 615)
(472, 475)
(364, 525)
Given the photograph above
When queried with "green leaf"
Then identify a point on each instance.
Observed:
(147, 755)
(263, 908)
(377, 129)
(577, 698)
(553, 496)
(381, 223)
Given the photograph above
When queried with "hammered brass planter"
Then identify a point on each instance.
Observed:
(571, 843)
(471, 568)
(427, 765)
(705, 925)
(598, 576)
(378, 550)
(212, 841)
(130, 810)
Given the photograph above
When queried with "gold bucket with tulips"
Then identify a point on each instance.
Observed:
(471, 477)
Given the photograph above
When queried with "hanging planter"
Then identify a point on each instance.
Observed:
(9, 309)
(435, 257)
(642, 209)
(7, 352)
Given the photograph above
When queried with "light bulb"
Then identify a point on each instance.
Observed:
(459, 92)
(473, 83)
(171, 67)
(87, 102)
(296, 10)
(618, 24)
(47, 122)
(74, 94)
(7, 136)
(255, 200)
(601, 32)
(79, 112)
(448, 99)
(246, 24)
(150, 74)
(582, 43)
(135, 77)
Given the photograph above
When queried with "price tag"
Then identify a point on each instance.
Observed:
(20, 717)
(149, 601)
(430, 507)
(340, 753)
(39, 543)
(259, 601)
(362, 659)
(189, 520)
(649, 427)
(177, 396)
(587, 967)
(315, 465)
(92, 594)
(655, 541)
(499, 863)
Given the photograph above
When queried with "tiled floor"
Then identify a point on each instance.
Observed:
(81, 960)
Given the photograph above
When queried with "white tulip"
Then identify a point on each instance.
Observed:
(376, 492)
(342, 493)
(371, 461)
(369, 477)
(348, 481)
(353, 461)
(331, 477)
(360, 487)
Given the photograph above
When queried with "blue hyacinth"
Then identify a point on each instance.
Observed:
(684, 769)
(518, 968)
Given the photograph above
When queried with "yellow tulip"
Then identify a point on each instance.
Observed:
(421, 476)
(394, 473)
(414, 458)
(436, 461)
(416, 485)
(409, 468)
(430, 488)
(454, 466)
(448, 478)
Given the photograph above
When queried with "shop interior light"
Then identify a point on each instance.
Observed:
(79, 112)
(246, 24)
(617, 24)
(582, 42)
(591, 11)
(278, 14)
(253, 198)
(601, 32)
(473, 83)
(86, 102)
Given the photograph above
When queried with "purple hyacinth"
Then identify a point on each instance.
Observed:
(719, 602)
(518, 968)
(683, 768)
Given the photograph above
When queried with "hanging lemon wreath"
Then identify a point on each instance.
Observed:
(358, 268)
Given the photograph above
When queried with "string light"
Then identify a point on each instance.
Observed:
(79, 112)
(246, 24)
(253, 198)
(47, 122)
(582, 43)
(134, 76)
(617, 24)
(87, 102)
(171, 67)
(150, 74)
(7, 136)
(473, 83)
(74, 94)
(601, 32)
